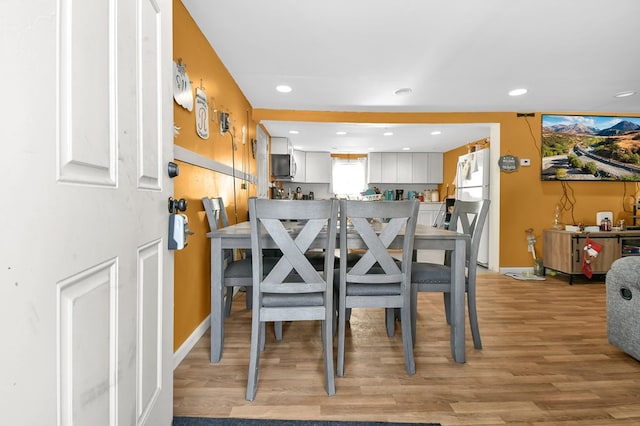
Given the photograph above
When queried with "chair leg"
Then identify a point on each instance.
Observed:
(447, 306)
(257, 344)
(473, 318)
(407, 341)
(327, 339)
(277, 330)
(390, 320)
(341, 331)
(248, 301)
(413, 303)
(227, 301)
(262, 335)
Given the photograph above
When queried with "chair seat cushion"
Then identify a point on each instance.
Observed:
(242, 268)
(238, 269)
(385, 289)
(430, 273)
(363, 289)
(273, 300)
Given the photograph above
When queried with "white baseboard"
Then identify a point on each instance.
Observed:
(191, 341)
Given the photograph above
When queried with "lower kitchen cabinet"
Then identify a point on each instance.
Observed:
(427, 215)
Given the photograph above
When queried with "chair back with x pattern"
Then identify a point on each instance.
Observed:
(294, 289)
(376, 279)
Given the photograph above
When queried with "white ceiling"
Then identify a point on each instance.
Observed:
(455, 55)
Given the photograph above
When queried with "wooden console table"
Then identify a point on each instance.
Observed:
(563, 250)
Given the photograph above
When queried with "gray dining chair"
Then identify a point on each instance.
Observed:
(468, 217)
(294, 289)
(237, 272)
(376, 280)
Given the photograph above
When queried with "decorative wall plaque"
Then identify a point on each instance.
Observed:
(202, 114)
(508, 163)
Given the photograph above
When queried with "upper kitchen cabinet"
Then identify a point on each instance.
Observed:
(300, 171)
(404, 163)
(404, 167)
(374, 162)
(435, 167)
(281, 146)
(318, 167)
(389, 167)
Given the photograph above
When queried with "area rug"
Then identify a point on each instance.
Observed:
(201, 421)
(525, 277)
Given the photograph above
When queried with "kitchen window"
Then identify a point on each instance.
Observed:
(348, 177)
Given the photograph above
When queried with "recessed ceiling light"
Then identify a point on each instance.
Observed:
(283, 88)
(293, 132)
(341, 133)
(517, 92)
(436, 132)
(625, 94)
(406, 148)
(405, 91)
(388, 133)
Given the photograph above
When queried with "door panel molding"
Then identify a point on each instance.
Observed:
(87, 146)
(87, 358)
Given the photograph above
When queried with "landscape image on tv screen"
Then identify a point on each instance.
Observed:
(590, 148)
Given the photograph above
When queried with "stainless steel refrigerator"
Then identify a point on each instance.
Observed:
(472, 184)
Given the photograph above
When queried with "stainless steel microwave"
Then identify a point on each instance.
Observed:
(282, 166)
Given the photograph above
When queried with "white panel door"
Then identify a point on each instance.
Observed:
(87, 281)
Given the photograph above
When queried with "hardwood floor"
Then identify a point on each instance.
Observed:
(546, 360)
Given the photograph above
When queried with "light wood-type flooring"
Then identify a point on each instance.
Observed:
(546, 360)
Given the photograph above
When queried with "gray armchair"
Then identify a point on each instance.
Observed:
(623, 305)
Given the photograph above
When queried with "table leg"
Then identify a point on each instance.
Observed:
(457, 301)
(217, 300)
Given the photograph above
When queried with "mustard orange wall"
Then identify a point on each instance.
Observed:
(192, 264)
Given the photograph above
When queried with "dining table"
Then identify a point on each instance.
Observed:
(238, 236)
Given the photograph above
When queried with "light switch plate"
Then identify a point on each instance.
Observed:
(525, 162)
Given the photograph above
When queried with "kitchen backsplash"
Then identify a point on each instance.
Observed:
(321, 190)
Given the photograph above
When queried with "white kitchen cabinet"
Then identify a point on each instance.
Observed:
(435, 168)
(404, 167)
(429, 212)
(375, 167)
(427, 215)
(300, 169)
(420, 161)
(318, 167)
(281, 146)
(389, 172)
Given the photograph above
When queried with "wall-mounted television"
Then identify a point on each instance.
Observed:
(590, 148)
